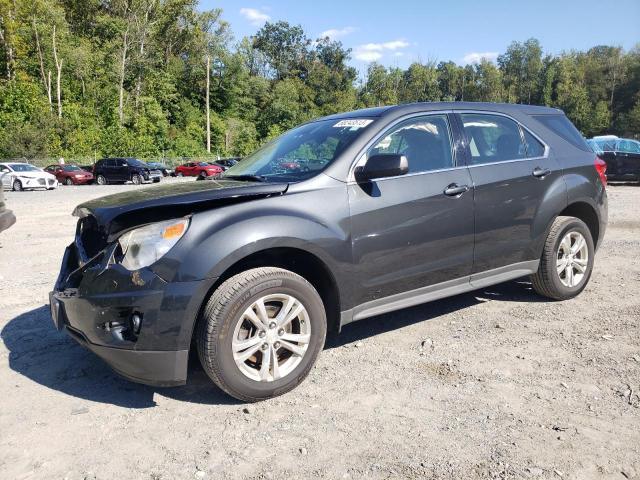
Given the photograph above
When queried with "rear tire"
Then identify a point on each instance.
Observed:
(68, 181)
(233, 317)
(101, 180)
(567, 260)
(17, 186)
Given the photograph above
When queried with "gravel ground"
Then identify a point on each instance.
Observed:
(493, 384)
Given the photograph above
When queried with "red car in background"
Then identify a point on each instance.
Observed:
(70, 174)
(197, 169)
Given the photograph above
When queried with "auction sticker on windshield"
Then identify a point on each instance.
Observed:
(354, 124)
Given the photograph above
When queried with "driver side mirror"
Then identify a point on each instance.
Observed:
(381, 166)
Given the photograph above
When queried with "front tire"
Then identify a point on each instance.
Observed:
(261, 332)
(567, 260)
(17, 186)
(68, 181)
(101, 180)
(136, 179)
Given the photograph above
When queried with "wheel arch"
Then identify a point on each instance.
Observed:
(588, 214)
(295, 259)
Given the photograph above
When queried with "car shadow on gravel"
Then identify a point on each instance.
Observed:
(514, 291)
(52, 359)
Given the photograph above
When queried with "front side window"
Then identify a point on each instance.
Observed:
(425, 141)
(302, 152)
(492, 138)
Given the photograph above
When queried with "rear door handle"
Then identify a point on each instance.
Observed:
(454, 190)
(541, 172)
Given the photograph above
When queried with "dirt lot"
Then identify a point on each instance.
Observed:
(492, 384)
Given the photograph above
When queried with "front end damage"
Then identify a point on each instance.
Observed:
(137, 321)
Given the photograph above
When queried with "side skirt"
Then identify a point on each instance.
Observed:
(438, 291)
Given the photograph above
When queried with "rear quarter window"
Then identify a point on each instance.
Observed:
(563, 127)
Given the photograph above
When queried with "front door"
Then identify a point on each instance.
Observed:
(407, 233)
(629, 159)
(511, 171)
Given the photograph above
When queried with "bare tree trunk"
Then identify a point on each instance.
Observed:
(8, 48)
(143, 38)
(59, 73)
(207, 102)
(123, 65)
(45, 81)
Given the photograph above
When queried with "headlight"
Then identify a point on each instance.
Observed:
(146, 245)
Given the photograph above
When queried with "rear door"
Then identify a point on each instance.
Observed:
(511, 170)
(629, 159)
(407, 233)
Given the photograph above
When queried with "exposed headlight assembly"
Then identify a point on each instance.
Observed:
(146, 245)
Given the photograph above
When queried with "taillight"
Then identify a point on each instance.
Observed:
(601, 168)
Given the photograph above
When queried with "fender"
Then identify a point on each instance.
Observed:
(220, 237)
(549, 207)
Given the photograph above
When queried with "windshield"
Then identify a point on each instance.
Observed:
(24, 167)
(71, 168)
(302, 152)
(135, 163)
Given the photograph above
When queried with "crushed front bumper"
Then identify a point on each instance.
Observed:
(96, 301)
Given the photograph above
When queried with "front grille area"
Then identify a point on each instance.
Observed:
(42, 181)
(90, 238)
(51, 182)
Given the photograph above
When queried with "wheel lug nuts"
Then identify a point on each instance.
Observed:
(272, 325)
(281, 332)
(262, 334)
(264, 346)
(276, 345)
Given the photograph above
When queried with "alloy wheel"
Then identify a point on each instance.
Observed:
(271, 337)
(572, 259)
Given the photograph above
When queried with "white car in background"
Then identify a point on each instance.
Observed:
(22, 176)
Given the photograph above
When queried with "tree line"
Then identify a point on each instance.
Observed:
(154, 78)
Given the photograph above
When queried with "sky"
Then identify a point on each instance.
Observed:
(396, 33)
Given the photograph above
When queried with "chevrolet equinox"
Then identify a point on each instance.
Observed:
(386, 208)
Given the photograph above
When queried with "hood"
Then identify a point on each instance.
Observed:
(115, 213)
(33, 174)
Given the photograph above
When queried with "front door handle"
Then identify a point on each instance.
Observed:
(454, 190)
(541, 172)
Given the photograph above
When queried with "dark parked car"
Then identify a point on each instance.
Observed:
(162, 167)
(399, 206)
(70, 174)
(7, 218)
(622, 156)
(121, 170)
(227, 163)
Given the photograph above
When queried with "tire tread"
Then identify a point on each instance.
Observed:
(212, 320)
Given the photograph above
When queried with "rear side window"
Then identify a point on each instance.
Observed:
(492, 138)
(563, 127)
(425, 141)
(534, 147)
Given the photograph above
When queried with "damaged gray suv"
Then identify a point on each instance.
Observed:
(340, 219)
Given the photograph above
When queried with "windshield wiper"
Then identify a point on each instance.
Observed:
(250, 178)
